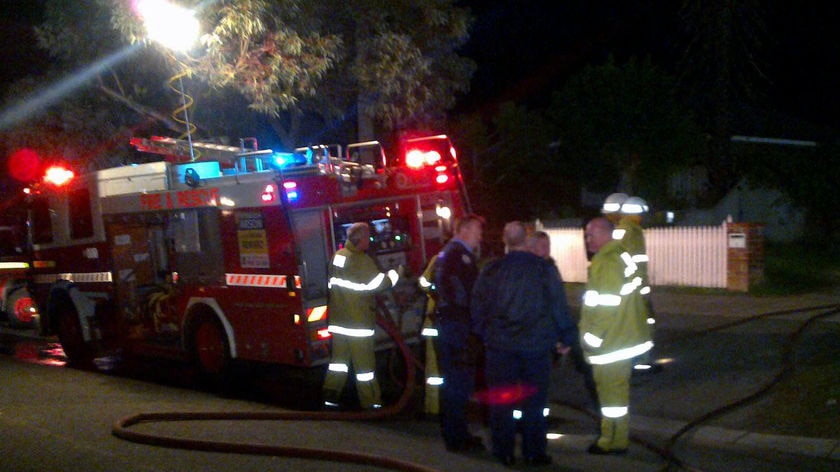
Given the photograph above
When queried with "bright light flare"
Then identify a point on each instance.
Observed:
(172, 26)
(57, 175)
(417, 158)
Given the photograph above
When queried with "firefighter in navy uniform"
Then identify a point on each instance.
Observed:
(354, 280)
(455, 273)
(612, 331)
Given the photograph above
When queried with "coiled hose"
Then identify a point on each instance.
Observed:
(122, 428)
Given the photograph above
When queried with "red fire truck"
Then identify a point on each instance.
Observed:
(16, 306)
(219, 254)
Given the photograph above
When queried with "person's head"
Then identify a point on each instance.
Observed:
(359, 235)
(540, 244)
(515, 236)
(612, 206)
(597, 233)
(469, 229)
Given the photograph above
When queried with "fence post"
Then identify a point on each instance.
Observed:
(744, 256)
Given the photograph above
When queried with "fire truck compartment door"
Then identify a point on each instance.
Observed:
(311, 240)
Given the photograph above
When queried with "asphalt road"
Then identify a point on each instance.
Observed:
(714, 354)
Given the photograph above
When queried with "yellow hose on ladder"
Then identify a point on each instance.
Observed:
(180, 114)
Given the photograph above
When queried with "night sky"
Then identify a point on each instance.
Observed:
(525, 49)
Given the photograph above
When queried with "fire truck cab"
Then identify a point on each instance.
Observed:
(218, 254)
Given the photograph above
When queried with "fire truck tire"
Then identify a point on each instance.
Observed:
(18, 309)
(70, 334)
(211, 352)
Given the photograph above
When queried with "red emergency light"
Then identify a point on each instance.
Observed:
(416, 158)
(269, 194)
(442, 177)
(58, 175)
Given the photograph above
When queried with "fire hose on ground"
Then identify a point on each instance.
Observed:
(122, 428)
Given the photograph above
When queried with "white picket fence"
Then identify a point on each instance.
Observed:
(689, 256)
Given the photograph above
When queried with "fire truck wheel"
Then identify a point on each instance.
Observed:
(70, 333)
(19, 309)
(211, 353)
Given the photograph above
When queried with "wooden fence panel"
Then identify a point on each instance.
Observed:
(691, 256)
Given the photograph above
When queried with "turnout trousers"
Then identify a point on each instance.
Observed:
(358, 353)
(613, 384)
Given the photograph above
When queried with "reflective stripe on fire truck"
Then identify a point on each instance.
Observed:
(77, 277)
(257, 280)
(14, 265)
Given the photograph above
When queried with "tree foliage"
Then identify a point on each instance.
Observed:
(292, 69)
(621, 127)
(519, 175)
(722, 71)
(394, 63)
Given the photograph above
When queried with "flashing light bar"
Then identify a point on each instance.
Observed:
(416, 158)
(291, 190)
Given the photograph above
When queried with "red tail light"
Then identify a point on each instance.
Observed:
(269, 194)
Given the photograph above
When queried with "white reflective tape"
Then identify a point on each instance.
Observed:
(546, 412)
(593, 298)
(358, 287)
(339, 260)
(434, 381)
(592, 340)
(614, 411)
(517, 414)
(611, 207)
(339, 368)
(637, 258)
(631, 286)
(14, 265)
(78, 277)
(630, 267)
(365, 377)
(393, 276)
(645, 290)
(352, 332)
(424, 282)
(590, 298)
(618, 234)
(429, 332)
(621, 354)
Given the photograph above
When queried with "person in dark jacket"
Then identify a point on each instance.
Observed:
(454, 275)
(520, 312)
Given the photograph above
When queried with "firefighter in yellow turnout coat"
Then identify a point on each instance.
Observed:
(433, 376)
(354, 280)
(613, 331)
(631, 234)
